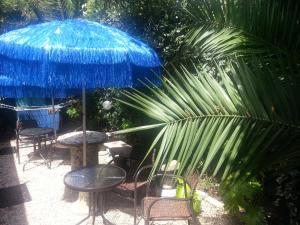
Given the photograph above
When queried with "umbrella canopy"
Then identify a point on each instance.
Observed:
(73, 53)
(76, 53)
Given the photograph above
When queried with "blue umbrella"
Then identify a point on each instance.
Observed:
(76, 53)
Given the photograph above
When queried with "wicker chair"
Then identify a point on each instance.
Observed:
(156, 208)
(136, 181)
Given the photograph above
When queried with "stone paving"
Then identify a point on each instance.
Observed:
(46, 205)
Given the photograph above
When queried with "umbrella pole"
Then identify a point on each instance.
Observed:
(84, 125)
(53, 117)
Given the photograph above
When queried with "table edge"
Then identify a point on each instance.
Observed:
(95, 189)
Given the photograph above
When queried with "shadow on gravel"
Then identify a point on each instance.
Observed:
(11, 196)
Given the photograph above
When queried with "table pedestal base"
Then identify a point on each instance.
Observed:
(96, 199)
(90, 180)
(77, 157)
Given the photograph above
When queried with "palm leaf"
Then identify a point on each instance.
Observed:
(224, 126)
(225, 28)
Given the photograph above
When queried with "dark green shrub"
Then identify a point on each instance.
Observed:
(244, 199)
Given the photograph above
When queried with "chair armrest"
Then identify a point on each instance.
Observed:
(139, 172)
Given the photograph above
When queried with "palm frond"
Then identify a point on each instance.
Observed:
(225, 127)
(225, 28)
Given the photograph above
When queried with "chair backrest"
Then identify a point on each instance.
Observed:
(23, 124)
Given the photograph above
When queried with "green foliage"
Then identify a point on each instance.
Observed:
(117, 118)
(208, 184)
(99, 118)
(244, 199)
(232, 125)
(73, 112)
(224, 28)
(18, 13)
(161, 23)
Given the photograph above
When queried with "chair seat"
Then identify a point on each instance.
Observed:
(129, 186)
(166, 208)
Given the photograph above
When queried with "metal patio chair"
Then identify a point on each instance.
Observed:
(135, 184)
(157, 208)
(23, 124)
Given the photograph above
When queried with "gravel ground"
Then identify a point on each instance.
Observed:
(47, 206)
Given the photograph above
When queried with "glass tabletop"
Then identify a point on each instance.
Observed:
(95, 178)
(76, 138)
(35, 131)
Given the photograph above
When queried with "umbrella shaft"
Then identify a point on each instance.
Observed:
(84, 125)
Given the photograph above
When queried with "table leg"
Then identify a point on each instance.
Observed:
(18, 148)
(90, 203)
(39, 144)
(34, 145)
(95, 205)
(36, 152)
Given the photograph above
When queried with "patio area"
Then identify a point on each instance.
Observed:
(35, 196)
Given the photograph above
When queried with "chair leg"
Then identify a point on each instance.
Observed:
(90, 203)
(147, 222)
(135, 206)
(18, 149)
(51, 150)
(195, 221)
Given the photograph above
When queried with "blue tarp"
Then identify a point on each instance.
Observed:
(43, 117)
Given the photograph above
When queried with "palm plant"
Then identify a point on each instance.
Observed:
(224, 28)
(34, 10)
(232, 126)
(235, 112)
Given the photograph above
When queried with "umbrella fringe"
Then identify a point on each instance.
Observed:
(56, 75)
(11, 88)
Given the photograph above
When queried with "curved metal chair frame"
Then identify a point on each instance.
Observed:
(29, 140)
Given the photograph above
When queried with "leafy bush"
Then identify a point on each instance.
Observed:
(73, 112)
(117, 118)
(244, 200)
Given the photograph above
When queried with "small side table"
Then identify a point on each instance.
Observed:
(95, 180)
(119, 150)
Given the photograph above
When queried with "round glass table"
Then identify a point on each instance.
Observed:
(35, 132)
(95, 180)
